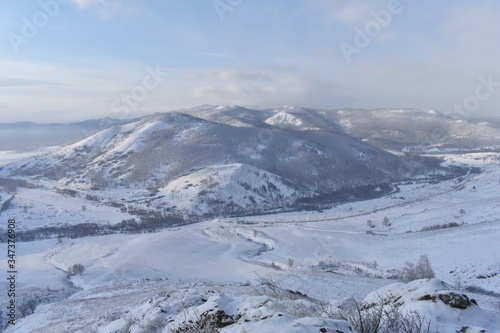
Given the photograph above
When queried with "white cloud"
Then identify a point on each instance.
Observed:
(105, 8)
(475, 28)
(78, 93)
(228, 75)
(58, 92)
(82, 3)
(230, 86)
(347, 12)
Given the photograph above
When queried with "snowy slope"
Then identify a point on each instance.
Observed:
(329, 256)
(398, 129)
(228, 314)
(241, 162)
(287, 120)
(241, 188)
(42, 207)
(131, 164)
(393, 129)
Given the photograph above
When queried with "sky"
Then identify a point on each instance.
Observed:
(71, 60)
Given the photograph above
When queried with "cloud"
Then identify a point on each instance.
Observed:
(474, 27)
(344, 11)
(105, 8)
(231, 86)
(82, 4)
(228, 75)
(57, 92)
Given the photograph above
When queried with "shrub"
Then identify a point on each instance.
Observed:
(28, 307)
(207, 322)
(440, 226)
(384, 316)
(76, 269)
(420, 270)
(155, 325)
(292, 302)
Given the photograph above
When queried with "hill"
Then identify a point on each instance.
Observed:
(149, 158)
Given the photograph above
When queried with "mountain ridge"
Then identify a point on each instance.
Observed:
(158, 149)
(306, 156)
(392, 129)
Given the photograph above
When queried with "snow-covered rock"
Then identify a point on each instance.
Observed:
(218, 313)
(446, 310)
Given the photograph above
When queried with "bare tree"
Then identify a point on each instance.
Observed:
(420, 270)
(290, 263)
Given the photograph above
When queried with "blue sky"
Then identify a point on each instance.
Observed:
(68, 60)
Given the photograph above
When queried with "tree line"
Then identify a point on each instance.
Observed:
(152, 223)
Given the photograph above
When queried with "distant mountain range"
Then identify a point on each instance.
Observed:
(214, 161)
(28, 136)
(392, 129)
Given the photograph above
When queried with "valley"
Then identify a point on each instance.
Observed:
(155, 258)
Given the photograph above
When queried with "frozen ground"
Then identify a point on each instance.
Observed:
(330, 255)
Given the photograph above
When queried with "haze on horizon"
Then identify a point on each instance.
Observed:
(70, 60)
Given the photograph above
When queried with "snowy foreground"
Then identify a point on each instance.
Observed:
(277, 273)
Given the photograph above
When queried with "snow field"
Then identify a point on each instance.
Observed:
(327, 255)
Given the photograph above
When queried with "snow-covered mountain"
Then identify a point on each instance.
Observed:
(384, 128)
(133, 187)
(297, 270)
(393, 129)
(232, 189)
(181, 163)
(420, 129)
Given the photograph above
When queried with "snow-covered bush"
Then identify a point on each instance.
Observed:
(383, 316)
(207, 322)
(292, 302)
(154, 325)
(421, 270)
